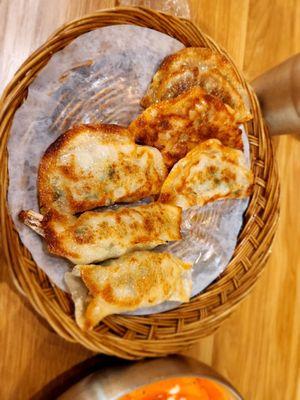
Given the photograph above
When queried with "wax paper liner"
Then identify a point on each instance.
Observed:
(101, 77)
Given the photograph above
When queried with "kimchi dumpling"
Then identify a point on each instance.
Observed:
(135, 280)
(207, 173)
(198, 66)
(176, 126)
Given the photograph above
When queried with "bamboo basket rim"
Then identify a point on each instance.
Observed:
(168, 332)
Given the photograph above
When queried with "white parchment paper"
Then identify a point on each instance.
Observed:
(101, 77)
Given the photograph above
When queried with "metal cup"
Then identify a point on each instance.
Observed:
(278, 91)
(111, 383)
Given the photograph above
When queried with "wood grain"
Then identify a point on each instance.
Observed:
(258, 348)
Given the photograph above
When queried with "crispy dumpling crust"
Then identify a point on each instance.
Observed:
(96, 236)
(198, 66)
(135, 280)
(178, 125)
(207, 173)
(96, 165)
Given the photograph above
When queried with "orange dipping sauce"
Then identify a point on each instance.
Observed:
(189, 388)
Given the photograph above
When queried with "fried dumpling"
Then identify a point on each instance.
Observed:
(207, 173)
(176, 126)
(96, 236)
(92, 166)
(198, 66)
(135, 280)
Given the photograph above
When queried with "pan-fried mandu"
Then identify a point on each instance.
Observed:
(178, 125)
(198, 66)
(207, 173)
(96, 236)
(135, 280)
(97, 165)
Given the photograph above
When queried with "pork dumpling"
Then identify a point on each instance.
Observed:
(178, 125)
(135, 280)
(96, 236)
(97, 165)
(198, 66)
(207, 173)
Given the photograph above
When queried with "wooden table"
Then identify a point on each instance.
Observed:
(258, 347)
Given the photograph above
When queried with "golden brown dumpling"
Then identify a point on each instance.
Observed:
(92, 166)
(135, 280)
(96, 236)
(198, 66)
(207, 173)
(178, 125)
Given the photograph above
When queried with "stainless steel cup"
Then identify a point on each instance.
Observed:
(110, 383)
(278, 91)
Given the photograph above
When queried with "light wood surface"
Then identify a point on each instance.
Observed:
(258, 348)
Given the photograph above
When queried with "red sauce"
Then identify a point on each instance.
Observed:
(179, 389)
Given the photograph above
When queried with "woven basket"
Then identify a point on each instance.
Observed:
(145, 336)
